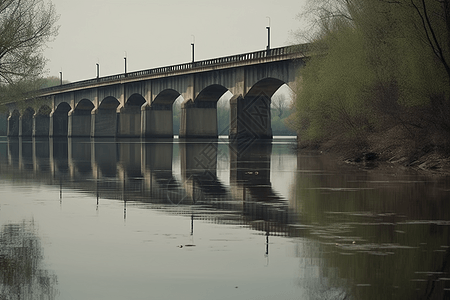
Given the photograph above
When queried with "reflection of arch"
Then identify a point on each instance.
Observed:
(211, 93)
(266, 87)
(165, 99)
(60, 120)
(27, 122)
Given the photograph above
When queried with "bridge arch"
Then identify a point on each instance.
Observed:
(265, 87)
(165, 99)
(251, 114)
(211, 93)
(84, 106)
(199, 117)
(158, 118)
(59, 120)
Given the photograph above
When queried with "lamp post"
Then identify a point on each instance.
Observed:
(193, 45)
(268, 37)
(125, 59)
(60, 78)
(98, 70)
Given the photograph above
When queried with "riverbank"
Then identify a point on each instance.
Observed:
(387, 150)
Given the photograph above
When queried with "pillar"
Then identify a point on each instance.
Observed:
(250, 118)
(13, 124)
(198, 120)
(104, 123)
(79, 123)
(58, 124)
(41, 125)
(129, 122)
(157, 121)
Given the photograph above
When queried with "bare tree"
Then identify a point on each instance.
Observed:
(25, 27)
(280, 105)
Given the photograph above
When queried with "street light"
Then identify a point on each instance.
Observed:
(193, 45)
(268, 37)
(125, 58)
(60, 78)
(98, 70)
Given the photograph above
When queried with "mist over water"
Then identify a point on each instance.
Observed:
(209, 219)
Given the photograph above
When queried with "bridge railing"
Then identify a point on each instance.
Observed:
(275, 52)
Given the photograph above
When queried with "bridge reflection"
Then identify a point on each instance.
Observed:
(177, 176)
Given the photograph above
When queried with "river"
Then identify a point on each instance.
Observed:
(201, 219)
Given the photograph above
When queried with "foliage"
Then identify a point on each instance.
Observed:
(25, 27)
(376, 64)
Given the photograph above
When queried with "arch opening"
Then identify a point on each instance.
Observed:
(281, 109)
(84, 107)
(210, 94)
(109, 103)
(135, 100)
(165, 100)
(265, 87)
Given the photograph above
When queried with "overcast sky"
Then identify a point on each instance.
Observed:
(158, 33)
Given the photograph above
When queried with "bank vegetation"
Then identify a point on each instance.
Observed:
(377, 85)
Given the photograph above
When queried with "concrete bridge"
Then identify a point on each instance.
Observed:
(139, 104)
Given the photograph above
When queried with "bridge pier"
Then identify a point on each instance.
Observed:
(198, 120)
(250, 117)
(59, 120)
(79, 123)
(13, 124)
(129, 122)
(104, 123)
(157, 121)
(41, 125)
(26, 123)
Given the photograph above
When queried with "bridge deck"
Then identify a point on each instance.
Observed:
(275, 54)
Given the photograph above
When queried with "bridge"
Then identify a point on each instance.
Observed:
(139, 104)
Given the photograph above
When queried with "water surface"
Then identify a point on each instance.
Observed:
(169, 219)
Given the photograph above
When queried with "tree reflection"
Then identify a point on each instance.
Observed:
(21, 272)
